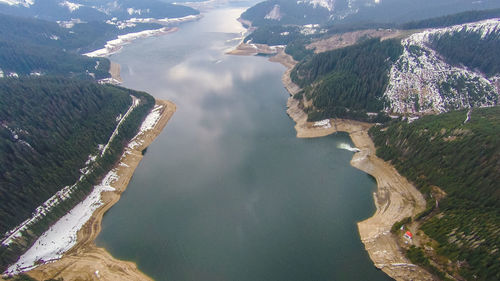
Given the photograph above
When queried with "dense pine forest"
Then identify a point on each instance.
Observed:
(462, 159)
(49, 128)
(346, 82)
(472, 49)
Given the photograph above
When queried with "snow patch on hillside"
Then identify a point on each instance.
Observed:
(148, 124)
(71, 6)
(327, 4)
(132, 11)
(422, 82)
(310, 29)
(69, 24)
(274, 14)
(62, 236)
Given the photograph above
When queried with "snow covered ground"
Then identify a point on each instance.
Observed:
(416, 79)
(62, 235)
(135, 103)
(323, 124)
(327, 4)
(148, 124)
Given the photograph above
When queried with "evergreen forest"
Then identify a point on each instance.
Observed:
(474, 50)
(462, 159)
(49, 129)
(346, 82)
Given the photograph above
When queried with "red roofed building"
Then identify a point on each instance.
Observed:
(408, 235)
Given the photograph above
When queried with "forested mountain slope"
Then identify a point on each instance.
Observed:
(333, 12)
(346, 82)
(432, 71)
(458, 153)
(94, 10)
(273, 12)
(54, 135)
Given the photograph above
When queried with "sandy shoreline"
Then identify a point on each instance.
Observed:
(85, 261)
(395, 197)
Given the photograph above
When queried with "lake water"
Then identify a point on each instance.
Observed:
(227, 192)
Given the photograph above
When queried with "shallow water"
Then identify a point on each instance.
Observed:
(227, 192)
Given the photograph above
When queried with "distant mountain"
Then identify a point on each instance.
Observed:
(93, 10)
(273, 12)
(283, 12)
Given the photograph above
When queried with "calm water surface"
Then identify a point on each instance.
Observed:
(227, 192)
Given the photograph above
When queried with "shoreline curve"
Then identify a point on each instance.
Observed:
(395, 198)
